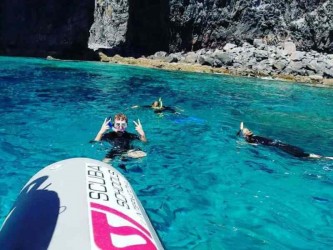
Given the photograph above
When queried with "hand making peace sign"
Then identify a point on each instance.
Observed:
(139, 129)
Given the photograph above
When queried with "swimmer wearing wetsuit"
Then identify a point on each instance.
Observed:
(120, 141)
(158, 107)
(292, 150)
(119, 138)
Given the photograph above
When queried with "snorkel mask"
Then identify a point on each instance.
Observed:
(119, 126)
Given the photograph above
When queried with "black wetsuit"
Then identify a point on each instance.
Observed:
(295, 151)
(121, 142)
(160, 110)
(169, 109)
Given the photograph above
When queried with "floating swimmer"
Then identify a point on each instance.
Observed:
(292, 150)
(120, 139)
(158, 107)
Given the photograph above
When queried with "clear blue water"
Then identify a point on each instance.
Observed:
(203, 187)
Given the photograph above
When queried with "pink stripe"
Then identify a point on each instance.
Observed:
(113, 211)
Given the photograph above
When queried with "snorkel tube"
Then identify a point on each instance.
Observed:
(111, 125)
(240, 129)
(160, 103)
(110, 122)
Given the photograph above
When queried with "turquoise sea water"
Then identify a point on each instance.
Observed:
(203, 187)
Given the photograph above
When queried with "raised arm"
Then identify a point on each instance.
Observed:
(104, 128)
(139, 129)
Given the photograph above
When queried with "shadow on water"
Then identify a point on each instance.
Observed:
(32, 220)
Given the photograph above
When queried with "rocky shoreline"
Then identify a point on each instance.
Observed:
(282, 62)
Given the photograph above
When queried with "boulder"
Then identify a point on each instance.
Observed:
(229, 46)
(224, 57)
(306, 60)
(261, 54)
(206, 60)
(251, 62)
(289, 47)
(263, 67)
(328, 73)
(191, 57)
(160, 54)
(329, 63)
(258, 43)
(170, 59)
(316, 66)
(280, 64)
(281, 53)
(217, 63)
(297, 56)
(309, 72)
(295, 68)
(174, 57)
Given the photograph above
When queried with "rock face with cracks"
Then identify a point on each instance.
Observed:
(65, 28)
(189, 25)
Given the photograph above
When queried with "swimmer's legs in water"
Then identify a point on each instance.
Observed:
(125, 157)
(315, 156)
(319, 156)
(134, 153)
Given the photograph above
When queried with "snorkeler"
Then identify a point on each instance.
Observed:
(292, 150)
(119, 138)
(158, 107)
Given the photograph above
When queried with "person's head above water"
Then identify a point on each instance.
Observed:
(157, 104)
(246, 132)
(120, 123)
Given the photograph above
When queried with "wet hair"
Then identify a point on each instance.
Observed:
(121, 117)
(155, 104)
(247, 132)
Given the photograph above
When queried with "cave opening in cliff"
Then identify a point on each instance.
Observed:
(46, 28)
(148, 26)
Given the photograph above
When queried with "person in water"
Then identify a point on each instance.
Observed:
(158, 107)
(119, 138)
(292, 150)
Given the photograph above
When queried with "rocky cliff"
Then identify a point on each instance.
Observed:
(307, 22)
(185, 25)
(131, 27)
